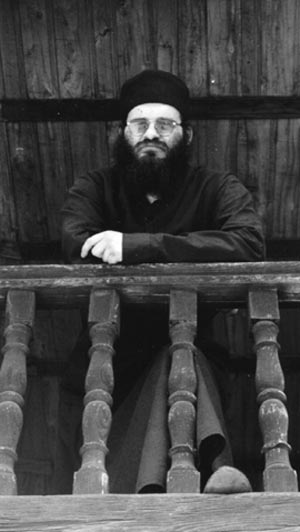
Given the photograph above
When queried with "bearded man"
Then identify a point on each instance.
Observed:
(153, 206)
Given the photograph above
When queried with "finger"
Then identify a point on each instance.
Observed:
(99, 249)
(105, 254)
(109, 257)
(89, 243)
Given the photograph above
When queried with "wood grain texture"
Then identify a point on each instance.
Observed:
(132, 38)
(149, 513)
(71, 30)
(38, 49)
(192, 46)
(28, 182)
(56, 174)
(96, 137)
(279, 47)
(217, 283)
(249, 48)
(223, 27)
(103, 49)
(13, 84)
(8, 224)
(166, 23)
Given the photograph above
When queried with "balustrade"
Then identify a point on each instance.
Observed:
(103, 320)
(179, 285)
(183, 475)
(20, 308)
(273, 417)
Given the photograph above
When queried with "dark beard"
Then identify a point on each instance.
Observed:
(161, 177)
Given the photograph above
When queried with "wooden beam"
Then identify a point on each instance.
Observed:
(204, 108)
(244, 107)
(78, 110)
(159, 513)
(223, 284)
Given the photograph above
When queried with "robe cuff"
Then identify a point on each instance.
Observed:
(137, 248)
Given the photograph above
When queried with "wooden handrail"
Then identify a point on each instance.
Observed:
(225, 284)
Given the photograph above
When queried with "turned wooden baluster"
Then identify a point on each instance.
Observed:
(103, 319)
(20, 311)
(269, 379)
(182, 477)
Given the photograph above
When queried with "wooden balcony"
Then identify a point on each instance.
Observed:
(261, 288)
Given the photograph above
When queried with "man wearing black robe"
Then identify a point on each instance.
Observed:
(152, 206)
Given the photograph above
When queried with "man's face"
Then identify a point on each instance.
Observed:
(153, 143)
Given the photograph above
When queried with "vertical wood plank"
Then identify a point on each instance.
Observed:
(250, 46)
(104, 53)
(28, 182)
(269, 379)
(88, 146)
(71, 27)
(285, 193)
(56, 169)
(166, 18)
(103, 320)
(13, 83)
(132, 38)
(215, 142)
(182, 476)
(223, 29)
(280, 47)
(254, 154)
(192, 45)
(20, 310)
(8, 226)
(37, 39)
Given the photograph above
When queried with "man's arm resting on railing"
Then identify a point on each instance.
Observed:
(233, 232)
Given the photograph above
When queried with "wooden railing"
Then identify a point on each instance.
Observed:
(261, 287)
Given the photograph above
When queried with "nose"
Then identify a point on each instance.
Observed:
(151, 132)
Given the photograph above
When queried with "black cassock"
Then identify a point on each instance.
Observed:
(211, 218)
(139, 443)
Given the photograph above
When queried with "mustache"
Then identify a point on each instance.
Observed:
(154, 142)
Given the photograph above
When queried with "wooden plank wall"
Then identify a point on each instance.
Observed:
(80, 49)
(86, 49)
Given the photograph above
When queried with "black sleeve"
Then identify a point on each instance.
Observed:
(235, 234)
(82, 216)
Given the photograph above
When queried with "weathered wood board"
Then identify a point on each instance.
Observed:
(152, 513)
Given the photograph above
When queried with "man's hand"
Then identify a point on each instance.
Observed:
(107, 245)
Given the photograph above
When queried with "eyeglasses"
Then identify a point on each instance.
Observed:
(163, 126)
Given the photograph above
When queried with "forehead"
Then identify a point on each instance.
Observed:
(154, 110)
